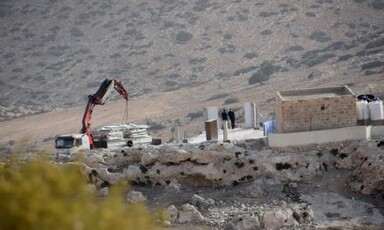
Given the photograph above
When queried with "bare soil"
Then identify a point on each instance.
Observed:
(329, 197)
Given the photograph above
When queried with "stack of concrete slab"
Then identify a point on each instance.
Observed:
(118, 136)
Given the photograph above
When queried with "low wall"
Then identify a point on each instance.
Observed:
(324, 136)
(377, 131)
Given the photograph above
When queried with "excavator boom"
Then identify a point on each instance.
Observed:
(99, 98)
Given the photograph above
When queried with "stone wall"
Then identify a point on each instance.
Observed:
(313, 147)
(319, 136)
(220, 164)
(315, 114)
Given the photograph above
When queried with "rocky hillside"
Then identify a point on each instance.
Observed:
(54, 53)
(245, 185)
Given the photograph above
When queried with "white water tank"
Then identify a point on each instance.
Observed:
(376, 110)
(362, 110)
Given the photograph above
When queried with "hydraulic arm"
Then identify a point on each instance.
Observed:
(99, 98)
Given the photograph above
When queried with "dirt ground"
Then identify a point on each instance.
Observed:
(332, 202)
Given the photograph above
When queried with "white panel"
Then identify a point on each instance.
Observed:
(250, 115)
(210, 113)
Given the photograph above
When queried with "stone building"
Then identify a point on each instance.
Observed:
(315, 109)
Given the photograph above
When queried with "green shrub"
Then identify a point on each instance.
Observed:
(258, 77)
(372, 64)
(262, 74)
(377, 5)
(231, 100)
(244, 70)
(295, 48)
(266, 32)
(153, 125)
(345, 57)
(218, 96)
(319, 36)
(375, 43)
(250, 55)
(195, 115)
(37, 194)
(183, 37)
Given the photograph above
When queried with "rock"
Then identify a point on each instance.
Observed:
(278, 218)
(111, 178)
(173, 213)
(353, 158)
(293, 185)
(210, 201)
(202, 203)
(244, 222)
(173, 187)
(371, 175)
(301, 214)
(174, 156)
(189, 214)
(203, 157)
(133, 172)
(92, 159)
(149, 158)
(103, 191)
(134, 197)
(165, 223)
(272, 220)
(282, 203)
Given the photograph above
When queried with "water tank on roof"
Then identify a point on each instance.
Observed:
(367, 97)
(376, 110)
(362, 110)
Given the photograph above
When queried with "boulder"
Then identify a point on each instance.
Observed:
(111, 177)
(202, 203)
(301, 214)
(149, 158)
(103, 191)
(277, 218)
(174, 156)
(134, 197)
(244, 222)
(203, 157)
(92, 159)
(132, 172)
(273, 220)
(189, 214)
(173, 213)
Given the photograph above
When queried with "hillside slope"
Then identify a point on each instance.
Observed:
(54, 53)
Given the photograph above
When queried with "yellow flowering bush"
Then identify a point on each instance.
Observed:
(38, 194)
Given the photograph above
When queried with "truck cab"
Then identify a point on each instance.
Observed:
(67, 145)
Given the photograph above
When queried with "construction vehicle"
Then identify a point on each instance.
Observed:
(67, 145)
